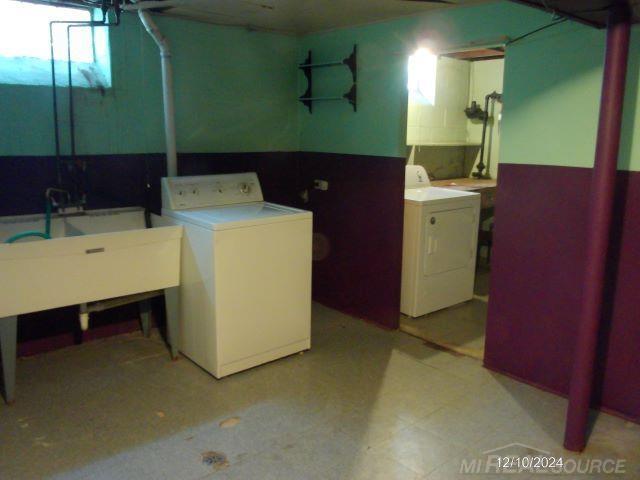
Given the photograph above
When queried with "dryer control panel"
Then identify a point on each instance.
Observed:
(180, 193)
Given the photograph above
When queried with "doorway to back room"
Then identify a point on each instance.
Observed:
(453, 135)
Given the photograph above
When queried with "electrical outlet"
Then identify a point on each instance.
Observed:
(321, 185)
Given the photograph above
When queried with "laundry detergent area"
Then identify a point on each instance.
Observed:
(318, 239)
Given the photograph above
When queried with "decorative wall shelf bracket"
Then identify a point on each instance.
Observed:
(307, 67)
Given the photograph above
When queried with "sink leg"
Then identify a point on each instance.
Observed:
(8, 344)
(83, 317)
(145, 316)
(171, 307)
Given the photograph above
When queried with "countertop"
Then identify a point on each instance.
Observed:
(485, 187)
(466, 183)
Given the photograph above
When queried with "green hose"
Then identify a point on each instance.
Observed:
(34, 233)
(28, 233)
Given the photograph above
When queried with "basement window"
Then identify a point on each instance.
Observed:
(25, 50)
(422, 76)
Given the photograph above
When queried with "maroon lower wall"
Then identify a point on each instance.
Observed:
(536, 281)
(359, 220)
(357, 233)
(537, 260)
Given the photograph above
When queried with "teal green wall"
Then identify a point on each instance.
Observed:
(236, 90)
(552, 99)
(233, 91)
(629, 158)
(551, 90)
(378, 128)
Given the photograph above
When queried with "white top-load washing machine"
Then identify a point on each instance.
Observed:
(439, 245)
(245, 292)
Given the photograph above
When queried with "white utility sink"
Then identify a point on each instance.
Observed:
(98, 255)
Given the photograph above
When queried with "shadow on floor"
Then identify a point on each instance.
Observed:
(460, 328)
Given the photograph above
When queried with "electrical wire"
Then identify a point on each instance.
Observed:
(544, 27)
(578, 14)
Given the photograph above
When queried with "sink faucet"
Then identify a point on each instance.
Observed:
(50, 198)
(64, 201)
(50, 203)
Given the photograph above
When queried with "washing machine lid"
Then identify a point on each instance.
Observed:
(236, 216)
(431, 195)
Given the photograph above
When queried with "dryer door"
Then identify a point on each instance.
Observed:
(449, 240)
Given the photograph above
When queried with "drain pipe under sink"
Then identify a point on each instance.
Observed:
(167, 86)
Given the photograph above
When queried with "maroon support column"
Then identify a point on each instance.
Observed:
(600, 210)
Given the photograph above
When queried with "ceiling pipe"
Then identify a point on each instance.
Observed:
(167, 89)
(149, 4)
(601, 203)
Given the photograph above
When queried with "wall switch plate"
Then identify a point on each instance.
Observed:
(321, 185)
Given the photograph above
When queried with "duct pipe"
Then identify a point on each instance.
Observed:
(167, 89)
(601, 208)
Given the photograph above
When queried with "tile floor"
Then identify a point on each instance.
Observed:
(364, 403)
(460, 328)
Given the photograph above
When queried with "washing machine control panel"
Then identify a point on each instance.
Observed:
(179, 193)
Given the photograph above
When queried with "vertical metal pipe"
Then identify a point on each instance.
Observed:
(72, 126)
(167, 87)
(56, 130)
(600, 213)
(169, 113)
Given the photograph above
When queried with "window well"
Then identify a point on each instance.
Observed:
(25, 49)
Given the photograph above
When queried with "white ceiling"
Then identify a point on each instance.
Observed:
(301, 16)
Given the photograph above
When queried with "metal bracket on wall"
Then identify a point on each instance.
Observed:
(352, 96)
(307, 67)
(305, 98)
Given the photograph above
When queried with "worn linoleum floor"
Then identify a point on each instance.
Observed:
(364, 403)
(459, 328)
